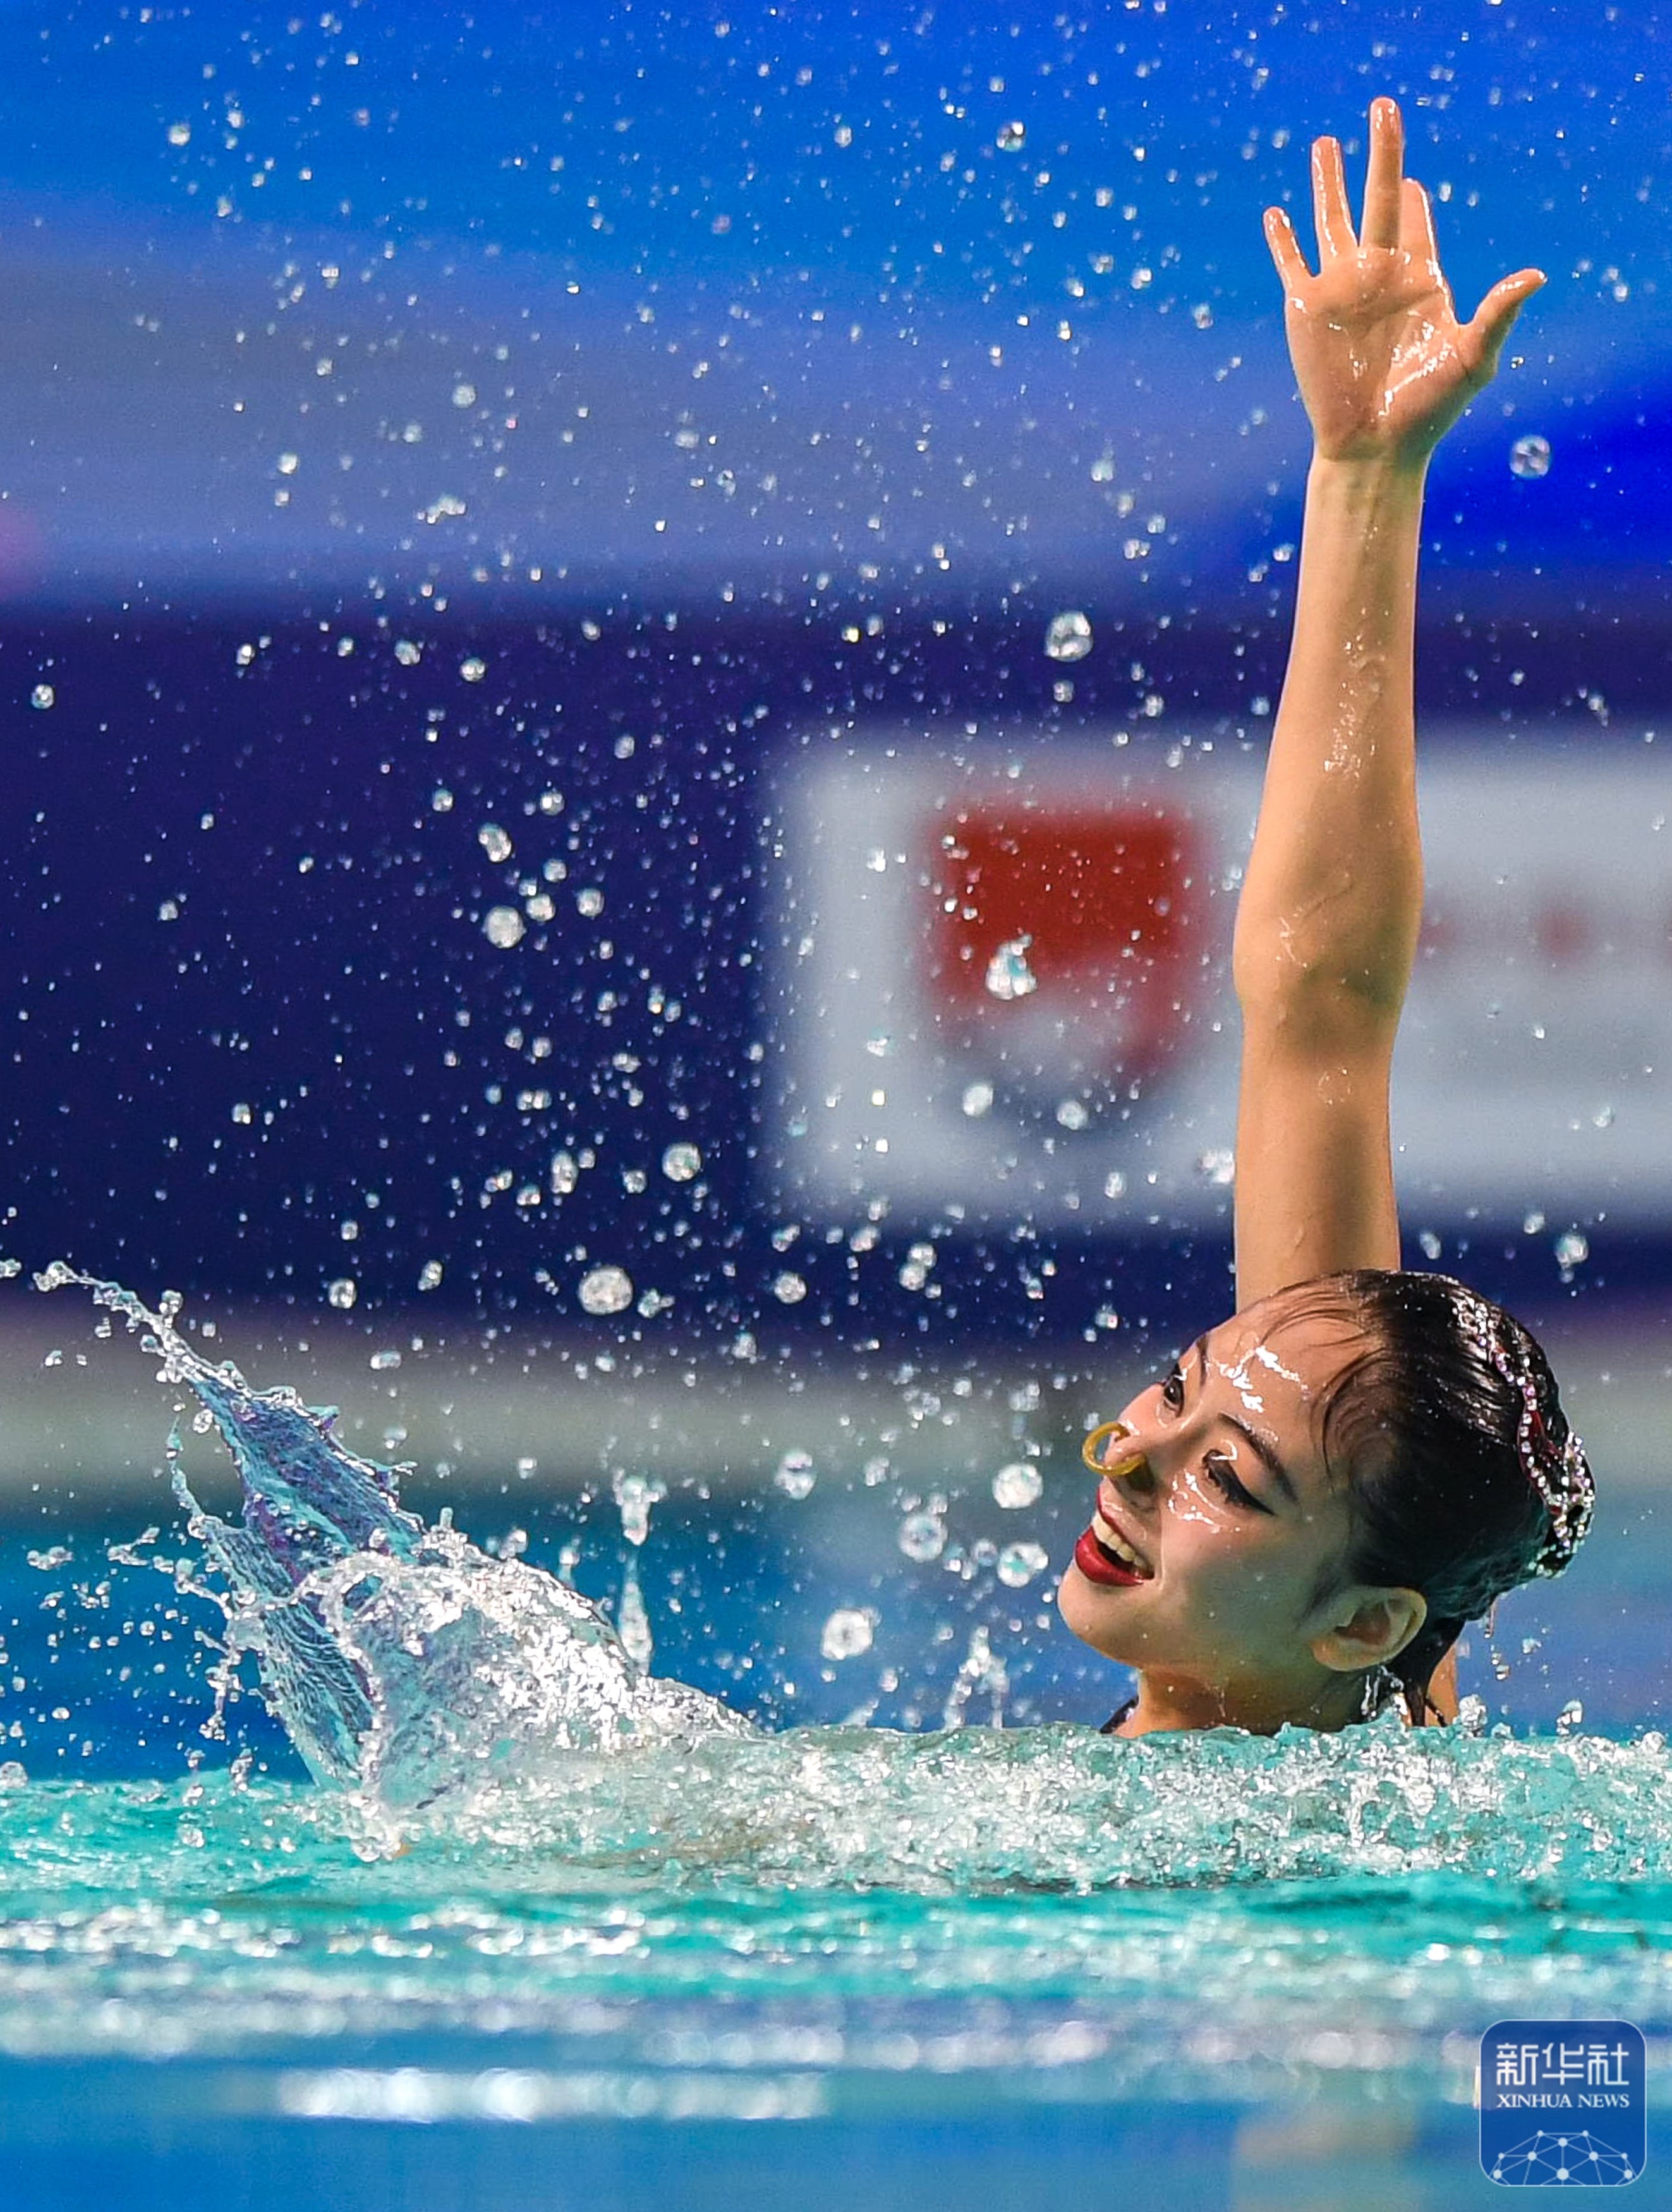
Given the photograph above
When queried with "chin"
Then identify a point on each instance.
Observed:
(1086, 1612)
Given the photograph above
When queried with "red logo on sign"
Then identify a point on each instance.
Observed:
(1066, 944)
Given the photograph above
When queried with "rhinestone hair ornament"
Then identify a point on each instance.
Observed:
(1561, 1475)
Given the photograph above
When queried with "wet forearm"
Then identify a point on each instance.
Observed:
(1332, 902)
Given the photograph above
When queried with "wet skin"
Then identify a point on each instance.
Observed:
(1223, 1492)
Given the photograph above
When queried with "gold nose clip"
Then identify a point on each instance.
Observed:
(1099, 1443)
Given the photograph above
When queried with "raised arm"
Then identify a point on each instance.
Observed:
(1327, 925)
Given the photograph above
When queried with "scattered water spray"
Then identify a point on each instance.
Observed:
(407, 1664)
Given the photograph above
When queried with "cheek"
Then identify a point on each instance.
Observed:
(1229, 1569)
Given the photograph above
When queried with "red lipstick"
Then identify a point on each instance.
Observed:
(1098, 1565)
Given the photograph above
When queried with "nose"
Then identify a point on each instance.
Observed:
(1113, 1451)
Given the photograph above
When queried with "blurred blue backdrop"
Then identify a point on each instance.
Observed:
(418, 424)
(737, 301)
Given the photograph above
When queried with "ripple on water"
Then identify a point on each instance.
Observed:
(940, 1898)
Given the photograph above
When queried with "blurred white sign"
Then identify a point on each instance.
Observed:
(1005, 988)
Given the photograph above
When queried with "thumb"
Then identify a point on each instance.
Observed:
(1494, 318)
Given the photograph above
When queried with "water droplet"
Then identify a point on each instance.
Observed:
(9, 1268)
(494, 841)
(474, 670)
(343, 1293)
(1019, 1563)
(1012, 137)
(977, 1100)
(13, 1774)
(502, 926)
(981, 1668)
(923, 1537)
(56, 1555)
(681, 1163)
(1113, 1184)
(795, 1474)
(179, 134)
(789, 1288)
(1530, 457)
(440, 801)
(590, 902)
(1570, 1717)
(380, 1362)
(1219, 1165)
(464, 395)
(1008, 974)
(1019, 1484)
(408, 652)
(564, 1174)
(1073, 1114)
(636, 1494)
(1532, 1225)
(1572, 1248)
(632, 1621)
(243, 1113)
(846, 1633)
(1069, 636)
(429, 1276)
(1603, 1118)
(606, 1290)
(1431, 1243)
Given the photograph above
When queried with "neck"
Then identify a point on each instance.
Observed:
(1328, 1701)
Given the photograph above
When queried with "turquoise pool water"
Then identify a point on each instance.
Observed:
(1039, 1940)
(542, 1930)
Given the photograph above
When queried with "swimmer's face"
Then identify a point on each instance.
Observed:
(1222, 1491)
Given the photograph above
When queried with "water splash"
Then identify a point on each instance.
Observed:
(407, 1664)
(988, 1808)
(633, 1617)
(981, 1668)
(635, 1495)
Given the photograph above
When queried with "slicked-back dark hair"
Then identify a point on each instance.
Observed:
(1422, 1431)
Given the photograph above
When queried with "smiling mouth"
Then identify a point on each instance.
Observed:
(1104, 1556)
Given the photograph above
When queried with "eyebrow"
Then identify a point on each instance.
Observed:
(1257, 1443)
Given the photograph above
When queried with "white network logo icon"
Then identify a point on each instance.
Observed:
(1583, 2160)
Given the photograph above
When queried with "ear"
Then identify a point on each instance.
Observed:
(1369, 1627)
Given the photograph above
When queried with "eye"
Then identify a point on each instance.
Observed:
(1172, 1390)
(1217, 1468)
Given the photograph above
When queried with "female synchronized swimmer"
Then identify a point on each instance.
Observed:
(1294, 1525)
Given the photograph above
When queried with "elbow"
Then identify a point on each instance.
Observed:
(1325, 1009)
(1308, 979)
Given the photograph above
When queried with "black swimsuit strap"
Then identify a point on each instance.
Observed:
(1383, 1694)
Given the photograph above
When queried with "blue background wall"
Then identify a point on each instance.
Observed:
(713, 378)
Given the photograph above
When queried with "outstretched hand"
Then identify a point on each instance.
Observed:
(1385, 366)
